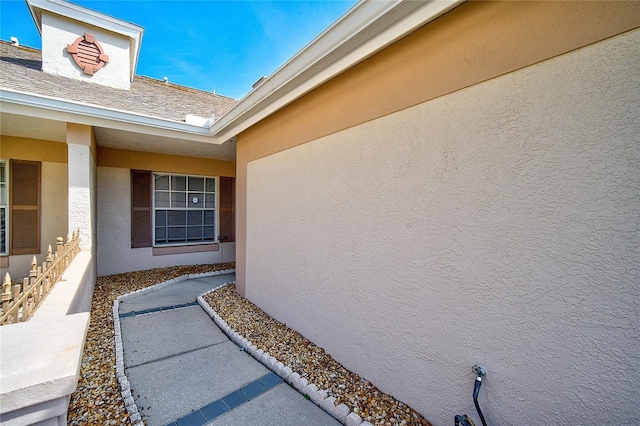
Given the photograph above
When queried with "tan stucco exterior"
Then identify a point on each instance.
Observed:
(107, 209)
(467, 196)
(54, 189)
(473, 43)
(32, 149)
(115, 254)
(157, 162)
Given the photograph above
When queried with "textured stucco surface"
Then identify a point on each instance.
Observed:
(58, 32)
(115, 254)
(82, 195)
(497, 225)
(53, 218)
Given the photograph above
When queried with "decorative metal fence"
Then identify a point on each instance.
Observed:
(19, 301)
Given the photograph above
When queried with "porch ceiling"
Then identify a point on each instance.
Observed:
(120, 139)
(52, 130)
(32, 127)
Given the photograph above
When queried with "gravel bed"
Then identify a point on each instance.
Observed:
(97, 400)
(310, 361)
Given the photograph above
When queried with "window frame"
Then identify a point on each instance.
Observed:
(216, 209)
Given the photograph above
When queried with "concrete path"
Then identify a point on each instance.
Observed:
(183, 369)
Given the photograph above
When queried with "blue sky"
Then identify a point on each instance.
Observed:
(218, 45)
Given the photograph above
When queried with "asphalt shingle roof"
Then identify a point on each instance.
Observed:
(21, 69)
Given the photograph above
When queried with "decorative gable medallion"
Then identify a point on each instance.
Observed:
(88, 54)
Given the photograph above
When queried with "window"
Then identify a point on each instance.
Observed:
(167, 200)
(184, 209)
(4, 201)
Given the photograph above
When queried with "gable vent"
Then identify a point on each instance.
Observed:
(88, 54)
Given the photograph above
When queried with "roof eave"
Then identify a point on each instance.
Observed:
(365, 29)
(29, 104)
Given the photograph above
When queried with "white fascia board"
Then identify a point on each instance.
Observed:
(97, 19)
(89, 16)
(136, 43)
(23, 103)
(365, 29)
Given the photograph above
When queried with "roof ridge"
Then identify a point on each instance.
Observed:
(21, 46)
(180, 86)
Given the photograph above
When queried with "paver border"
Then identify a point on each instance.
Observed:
(341, 412)
(125, 387)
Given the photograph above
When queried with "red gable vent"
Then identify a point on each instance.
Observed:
(88, 53)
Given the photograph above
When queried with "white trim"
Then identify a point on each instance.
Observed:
(365, 29)
(216, 180)
(91, 17)
(23, 103)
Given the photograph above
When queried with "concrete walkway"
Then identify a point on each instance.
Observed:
(183, 369)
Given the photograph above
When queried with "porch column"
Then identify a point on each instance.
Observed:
(82, 184)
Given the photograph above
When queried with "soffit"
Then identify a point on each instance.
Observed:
(120, 139)
(32, 128)
(43, 129)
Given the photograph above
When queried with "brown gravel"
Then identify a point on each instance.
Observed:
(310, 361)
(97, 400)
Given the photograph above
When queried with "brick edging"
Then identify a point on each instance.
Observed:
(320, 397)
(123, 381)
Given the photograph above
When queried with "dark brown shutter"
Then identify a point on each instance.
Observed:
(141, 208)
(25, 207)
(226, 214)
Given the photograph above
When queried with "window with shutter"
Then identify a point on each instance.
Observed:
(171, 209)
(25, 207)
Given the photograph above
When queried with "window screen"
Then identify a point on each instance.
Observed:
(184, 209)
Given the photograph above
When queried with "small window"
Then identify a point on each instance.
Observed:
(4, 202)
(184, 209)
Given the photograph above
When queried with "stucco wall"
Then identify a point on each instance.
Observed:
(58, 32)
(53, 187)
(496, 225)
(115, 254)
(82, 183)
(54, 184)
(53, 218)
(475, 42)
